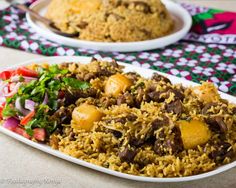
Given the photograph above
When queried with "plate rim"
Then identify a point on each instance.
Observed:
(117, 46)
(49, 150)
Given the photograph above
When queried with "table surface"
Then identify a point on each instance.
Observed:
(23, 166)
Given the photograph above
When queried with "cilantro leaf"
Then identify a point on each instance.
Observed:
(76, 84)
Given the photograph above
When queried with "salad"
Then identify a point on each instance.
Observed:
(30, 95)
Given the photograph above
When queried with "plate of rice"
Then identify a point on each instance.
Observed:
(113, 25)
(119, 119)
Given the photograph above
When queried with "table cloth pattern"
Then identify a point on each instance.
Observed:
(208, 52)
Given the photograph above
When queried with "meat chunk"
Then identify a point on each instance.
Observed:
(133, 76)
(158, 123)
(178, 94)
(217, 124)
(172, 145)
(72, 95)
(126, 98)
(223, 150)
(128, 154)
(161, 96)
(62, 115)
(158, 78)
(175, 107)
(207, 107)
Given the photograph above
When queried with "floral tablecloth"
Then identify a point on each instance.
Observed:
(208, 52)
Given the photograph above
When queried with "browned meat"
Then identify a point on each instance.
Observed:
(178, 94)
(126, 98)
(158, 78)
(158, 123)
(222, 151)
(172, 145)
(216, 124)
(127, 155)
(82, 25)
(123, 120)
(207, 107)
(175, 107)
(72, 136)
(72, 95)
(62, 115)
(234, 110)
(157, 96)
(161, 96)
(107, 101)
(133, 76)
(117, 134)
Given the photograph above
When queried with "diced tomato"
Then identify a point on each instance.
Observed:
(26, 72)
(39, 134)
(1, 109)
(27, 118)
(22, 132)
(5, 75)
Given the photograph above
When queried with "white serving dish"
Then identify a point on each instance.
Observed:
(183, 22)
(145, 73)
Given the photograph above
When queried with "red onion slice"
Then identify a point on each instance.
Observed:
(20, 108)
(11, 123)
(29, 105)
(45, 100)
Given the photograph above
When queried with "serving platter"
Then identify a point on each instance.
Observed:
(143, 72)
(182, 18)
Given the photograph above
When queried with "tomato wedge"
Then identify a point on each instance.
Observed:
(1, 109)
(5, 75)
(39, 134)
(27, 118)
(26, 72)
(21, 132)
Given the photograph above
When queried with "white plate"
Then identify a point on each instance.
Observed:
(183, 22)
(145, 73)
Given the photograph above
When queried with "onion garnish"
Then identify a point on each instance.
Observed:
(11, 123)
(45, 100)
(20, 108)
(29, 105)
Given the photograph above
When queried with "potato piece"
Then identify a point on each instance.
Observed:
(117, 84)
(206, 92)
(193, 133)
(84, 116)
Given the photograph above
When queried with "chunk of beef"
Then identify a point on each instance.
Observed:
(175, 107)
(126, 98)
(72, 95)
(171, 145)
(62, 115)
(217, 124)
(158, 78)
(128, 154)
(158, 123)
(207, 107)
(222, 150)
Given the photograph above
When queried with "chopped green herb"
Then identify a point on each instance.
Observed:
(76, 84)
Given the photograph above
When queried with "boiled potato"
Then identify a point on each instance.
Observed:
(117, 84)
(206, 92)
(84, 116)
(193, 133)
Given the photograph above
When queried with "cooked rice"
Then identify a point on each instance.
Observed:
(99, 146)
